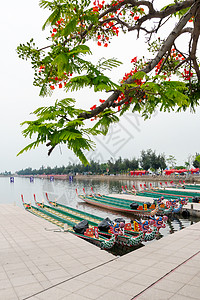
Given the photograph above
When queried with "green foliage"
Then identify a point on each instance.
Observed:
(53, 125)
(66, 64)
(106, 118)
(149, 160)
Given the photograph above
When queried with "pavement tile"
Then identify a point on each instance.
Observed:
(109, 282)
(73, 285)
(52, 294)
(114, 295)
(74, 297)
(143, 279)
(154, 272)
(28, 289)
(178, 277)
(185, 269)
(77, 270)
(195, 281)
(181, 297)
(91, 276)
(167, 266)
(18, 273)
(153, 293)
(62, 274)
(3, 275)
(124, 275)
(147, 262)
(168, 285)
(190, 291)
(134, 267)
(22, 280)
(5, 284)
(45, 284)
(92, 291)
(130, 288)
(8, 294)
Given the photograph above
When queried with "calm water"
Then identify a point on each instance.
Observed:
(64, 192)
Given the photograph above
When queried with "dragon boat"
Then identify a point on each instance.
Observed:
(122, 231)
(94, 238)
(119, 204)
(158, 193)
(148, 233)
(122, 239)
(171, 206)
(158, 206)
(170, 193)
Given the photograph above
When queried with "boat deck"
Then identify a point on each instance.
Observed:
(38, 261)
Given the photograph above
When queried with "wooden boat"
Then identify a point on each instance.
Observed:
(99, 241)
(148, 233)
(118, 204)
(171, 206)
(158, 207)
(169, 193)
(76, 216)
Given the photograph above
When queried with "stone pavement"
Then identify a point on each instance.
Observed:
(37, 262)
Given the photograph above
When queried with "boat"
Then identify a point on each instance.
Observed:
(119, 204)
(171, 206)
(158, 206)
(170, 193)
(126, 238)
(91, 236)
(148, 233)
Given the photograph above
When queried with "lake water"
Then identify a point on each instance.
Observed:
(64, 192)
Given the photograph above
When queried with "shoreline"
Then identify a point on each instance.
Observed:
(144, 178)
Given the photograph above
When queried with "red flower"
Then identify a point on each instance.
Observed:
(134, 59)
(60, 85)
(54, 30)
(102, 101)
(93, 107)
(95, 8)
(136, 18)
(99, 36)
(106, 45)
(99, 43)
(52, 87)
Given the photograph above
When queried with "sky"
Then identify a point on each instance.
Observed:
(170, 133)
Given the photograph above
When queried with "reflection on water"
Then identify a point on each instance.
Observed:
(64, 192)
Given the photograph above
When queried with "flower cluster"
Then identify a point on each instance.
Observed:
(187, 74)
(158, 66)
(97, 5)
(93, 107)
(60, 82)
(176, 56)
(173, 57)
(102, 40)
(58, 25)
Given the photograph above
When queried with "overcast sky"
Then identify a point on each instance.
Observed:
(174, 133)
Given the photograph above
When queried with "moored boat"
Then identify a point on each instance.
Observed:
(92, 237)
(119, 204)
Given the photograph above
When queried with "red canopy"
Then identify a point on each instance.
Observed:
(138, 172)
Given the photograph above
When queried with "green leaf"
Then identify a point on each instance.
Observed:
(70, 27)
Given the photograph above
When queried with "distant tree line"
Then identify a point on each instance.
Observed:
(148, 160)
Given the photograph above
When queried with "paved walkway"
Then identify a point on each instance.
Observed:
(37, 261)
